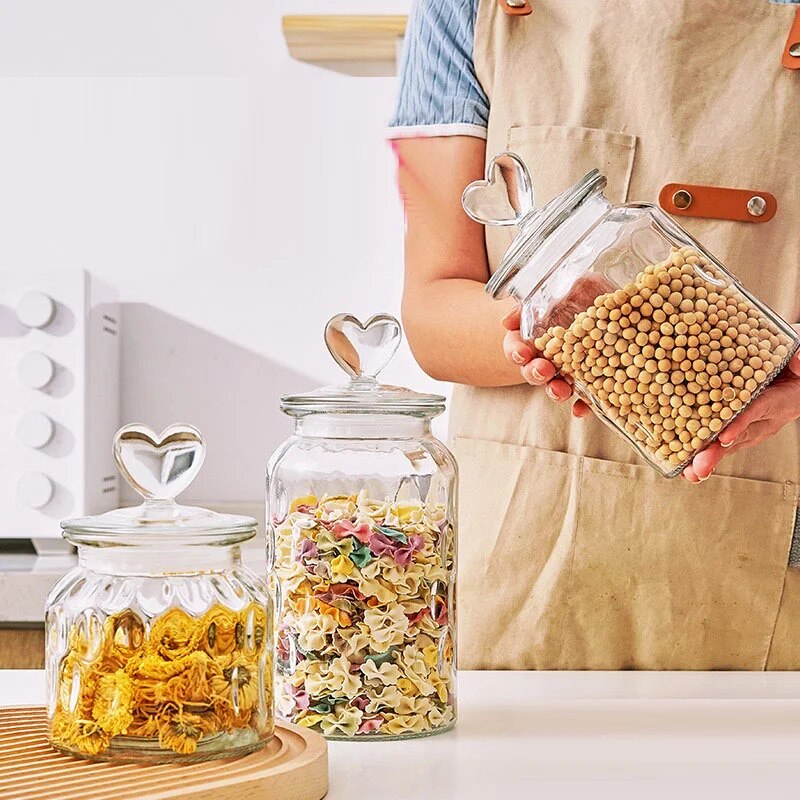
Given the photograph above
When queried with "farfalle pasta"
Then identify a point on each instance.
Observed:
(178, 680)
(364, 640)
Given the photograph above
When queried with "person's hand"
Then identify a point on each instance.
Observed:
(536, 371)
(778, 405)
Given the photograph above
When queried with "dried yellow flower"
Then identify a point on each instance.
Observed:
(189, 678)
(113, 701)
(145, 726)
(181, 733)
(239, 684)
(125, 634)
(222, 630)
(174, 635)
(254, 621)
(86, 736)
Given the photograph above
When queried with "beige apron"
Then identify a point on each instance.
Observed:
(574, 554)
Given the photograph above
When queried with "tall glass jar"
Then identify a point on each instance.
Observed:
(159, 644)
(362, 508)
(653, 332)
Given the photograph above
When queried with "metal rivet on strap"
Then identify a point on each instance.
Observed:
(756, 206)
(794, 50)
(516, 3)
(682, 199)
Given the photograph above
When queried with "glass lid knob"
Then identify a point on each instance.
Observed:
(362, 350)
(505, 196)
(159, 466)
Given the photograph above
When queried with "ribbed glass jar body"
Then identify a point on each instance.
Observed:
(150, 660)
(362, 529)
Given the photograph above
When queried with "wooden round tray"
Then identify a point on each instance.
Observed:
(293, 766)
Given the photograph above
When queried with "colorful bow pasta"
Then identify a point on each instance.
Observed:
(179, 681)
(365, 646)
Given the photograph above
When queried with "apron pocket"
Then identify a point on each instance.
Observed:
(568, 562)
(558, 156)
(668, 575)
(517, 512)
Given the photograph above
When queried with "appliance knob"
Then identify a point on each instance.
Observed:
(36, 370)
(36, 310)
(35, 490)
(35, 429)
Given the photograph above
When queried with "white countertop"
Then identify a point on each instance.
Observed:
(563, 735)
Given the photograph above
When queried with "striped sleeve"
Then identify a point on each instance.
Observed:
(439, 94)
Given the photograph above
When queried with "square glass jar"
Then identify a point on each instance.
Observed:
(653, 332)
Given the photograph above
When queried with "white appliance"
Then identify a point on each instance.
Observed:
(59, 402)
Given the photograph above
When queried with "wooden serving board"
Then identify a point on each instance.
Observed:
(293, 766)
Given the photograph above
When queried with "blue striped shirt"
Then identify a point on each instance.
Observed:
(439, 94)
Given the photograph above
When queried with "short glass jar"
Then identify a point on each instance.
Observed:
(653, 332)
(362, 506)
(159, 644)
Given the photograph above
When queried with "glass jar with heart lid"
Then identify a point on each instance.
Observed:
(159, 643)
(361, 509)
(664, 343)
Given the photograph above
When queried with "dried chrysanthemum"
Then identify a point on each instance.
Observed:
(69, 684)
(181, 733)
(219, 626)
(86, 736)
(86, 639)
(60, 728)
(254, 623)
(113, 702)
(144, 725)
(193, 684)
(225, 715)
(174, 635)
(239, 684)
(125, 635)
(179, 683)
(154, 668)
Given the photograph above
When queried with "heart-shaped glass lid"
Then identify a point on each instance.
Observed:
(159, 466)
(506, 197)
(362, 350)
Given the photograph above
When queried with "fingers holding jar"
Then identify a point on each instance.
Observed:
(535, 370)
(516, 350)
(763, 418)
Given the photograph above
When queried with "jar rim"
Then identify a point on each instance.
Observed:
(537, 226)
(85, 537)
(157, 523)
(364, 397)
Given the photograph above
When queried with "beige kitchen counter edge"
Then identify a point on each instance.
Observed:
(576, 734)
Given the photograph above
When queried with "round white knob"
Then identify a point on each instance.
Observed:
(35, 490)
(36, 370)
(35, 429)
(36, 310)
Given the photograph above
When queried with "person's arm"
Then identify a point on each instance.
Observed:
(455, 330)
(439, 130)
(453, 327)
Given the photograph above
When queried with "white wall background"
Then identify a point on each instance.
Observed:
(237, 199)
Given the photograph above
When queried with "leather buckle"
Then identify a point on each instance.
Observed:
(516, 8)
(791, 53)
(716, 202)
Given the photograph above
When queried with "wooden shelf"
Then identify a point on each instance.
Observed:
(353, 44)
